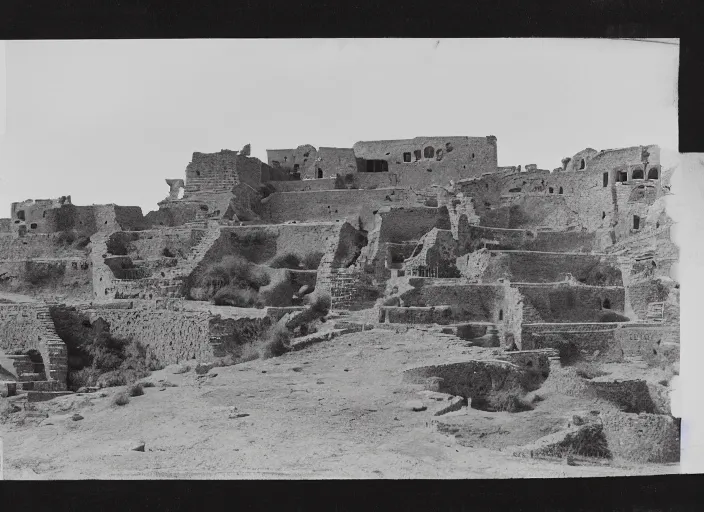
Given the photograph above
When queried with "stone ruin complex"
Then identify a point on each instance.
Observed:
(427, 231)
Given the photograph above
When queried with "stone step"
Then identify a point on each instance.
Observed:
(43, 396)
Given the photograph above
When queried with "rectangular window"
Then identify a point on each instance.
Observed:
(636, 222)
(406, 157)
(417, 153)
(606, 179)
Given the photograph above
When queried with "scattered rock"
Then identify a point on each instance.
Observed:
(415, 405)
(263, 371)
(137, 447)
(76, 417)
(320, 382)
(82, 390)
(238, 415)
(578, 420)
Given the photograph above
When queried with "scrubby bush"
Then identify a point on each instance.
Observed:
(589, 370)
(236, 271)
(275, 342)
(311, 261)
(610, 316)
(237, 297)
(288, 260)
(121, 399)
(148, 384)
(508, 401)
(136, 389)
(37, 273)
(280, 295)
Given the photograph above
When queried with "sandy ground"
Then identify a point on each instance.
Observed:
(334, 410)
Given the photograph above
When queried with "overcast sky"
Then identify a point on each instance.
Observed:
(108, 121)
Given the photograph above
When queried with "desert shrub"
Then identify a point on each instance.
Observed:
(118, 245)
(280, 295)
(65, 238)
(275, 342)
(610, 316)
(236, 271)
(84, 377)
(589, 370)
(311, 261)
(237, 297)
(136, 389)
(121, 399)
(249, 352)
(148, 384)
(288, 260)
(508, 401)
(36, 273)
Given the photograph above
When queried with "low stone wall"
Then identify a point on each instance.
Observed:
(441, 315)
(303, 185)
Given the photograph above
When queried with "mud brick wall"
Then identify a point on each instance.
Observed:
(331, 205)
(470, 302)
(19, 328)
(543, 267)
(566, 303)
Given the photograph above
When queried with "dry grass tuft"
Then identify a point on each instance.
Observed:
(121, 399)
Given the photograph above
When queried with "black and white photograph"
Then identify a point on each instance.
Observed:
(309, 259)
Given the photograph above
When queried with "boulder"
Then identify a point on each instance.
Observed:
(415, 405)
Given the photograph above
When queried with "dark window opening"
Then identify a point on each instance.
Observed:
(417, 154)
(501, 314)
(197, 173)
(551, 190)
(622, 176)
(448, 147)
(44, 214)
(472, 155)
(657, 224)
(296, 167)
(429, 170)
(406, 157)
(429, 152)
(606, 179)
(203, 208)
(637, 174)
(33, 225)
(560, 191)
(582, 164)
(636, 222)
(320, 173)
(653, 173)
(306, 154)
(603, 215)
(377, 166)
(606, 304)
(285, 158)
(20, 214)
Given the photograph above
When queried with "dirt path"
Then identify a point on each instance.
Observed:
(334, 410)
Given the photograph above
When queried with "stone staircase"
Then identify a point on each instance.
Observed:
(196, 255)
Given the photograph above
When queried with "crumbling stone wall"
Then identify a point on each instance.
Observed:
(69, 277)
(332, 205)
(566, 302)
(296, 160)
(330, 162)
(422, 161)
(5, 226)
(545, 267)
(303, 185)
(470, 302)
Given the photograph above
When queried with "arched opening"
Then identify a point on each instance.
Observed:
(20, 214)
(320, 173)
(560, 191)
(501, 314)
(551, 190)
(582, 164)
(637, 174)
(429, 152)
(653, 173)
(606, 304)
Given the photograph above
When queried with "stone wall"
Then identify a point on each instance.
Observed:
(566, 302)
(211, 172)
(304, 185)
(549, 267)
(331, 162)
(470, 302)
(5, 226)
(171, 336)
(58, 278)
(452, 158)
(332, 205)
